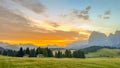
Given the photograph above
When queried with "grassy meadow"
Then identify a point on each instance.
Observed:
(25, 62)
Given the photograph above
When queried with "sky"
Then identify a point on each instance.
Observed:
(56, 22)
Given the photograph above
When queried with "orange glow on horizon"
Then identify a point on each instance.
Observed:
(40, 42)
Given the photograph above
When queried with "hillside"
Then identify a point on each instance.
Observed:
(95, 48)
(105, 52)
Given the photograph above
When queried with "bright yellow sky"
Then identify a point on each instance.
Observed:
(57, 37)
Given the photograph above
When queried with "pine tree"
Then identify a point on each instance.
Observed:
(45, 52)
(10, 53)
(78, 54)
(50, 54)
(32, 53)
(59, 54)
(56, 54)
(14, 53)
(81, 54)
(0, 52)
(4, 53)
(68, 54)
(39, 51)
(27, 51)
(20, 52)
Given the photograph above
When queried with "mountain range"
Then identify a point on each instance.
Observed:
(97, 39)
(16, 46)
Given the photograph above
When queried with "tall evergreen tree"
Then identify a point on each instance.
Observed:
(0, 52)
(45, 52)
(10, 53)
(56, 54)
(20, 52)
(39, 51)
(68, 54)
(78, 54)
(14, 53)
(50, 54)
(59, 54)
(4, 53)
(27, 51)
(32, 53)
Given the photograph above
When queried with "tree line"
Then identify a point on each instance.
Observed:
(43, 52)
(69, 54)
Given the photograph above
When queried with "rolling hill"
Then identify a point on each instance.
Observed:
(104, 52)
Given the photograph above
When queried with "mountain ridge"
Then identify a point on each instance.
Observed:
(98, 39)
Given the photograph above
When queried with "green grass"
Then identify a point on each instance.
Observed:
(105, 52)
(13, 62)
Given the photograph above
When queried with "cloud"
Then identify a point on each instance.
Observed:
(105, 15)
(37, 38)
(88, 8)
(106, 18)
(16, 27)
(53, 24)
(33, 5)
(12, 21)
(57, 35)
(80, 14)
(108, 12)
(17, 18)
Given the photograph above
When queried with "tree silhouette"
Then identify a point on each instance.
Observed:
(78, 54)
(58, 54)
(50, 54)
(27, 51)
(20, 52)
(32, 53)
(68, 54)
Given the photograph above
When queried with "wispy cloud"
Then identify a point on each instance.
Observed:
(108, 12)
(34, 5)
(105, 15)
(80, 14)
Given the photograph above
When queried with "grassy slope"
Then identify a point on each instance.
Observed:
(10, 62)
(105, 52)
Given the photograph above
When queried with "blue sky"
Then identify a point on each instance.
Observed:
(98, 7)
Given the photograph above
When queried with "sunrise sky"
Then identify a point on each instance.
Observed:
(59, 22)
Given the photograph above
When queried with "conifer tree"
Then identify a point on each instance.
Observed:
(32, 53)
(20, 52)
(50, 54)
(27, 51)
(59, 54)
(68, 54)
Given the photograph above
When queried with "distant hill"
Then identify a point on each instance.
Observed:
(104, 52)
(30, 46)
(1, 49)
(16, 46)
(95, 48)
